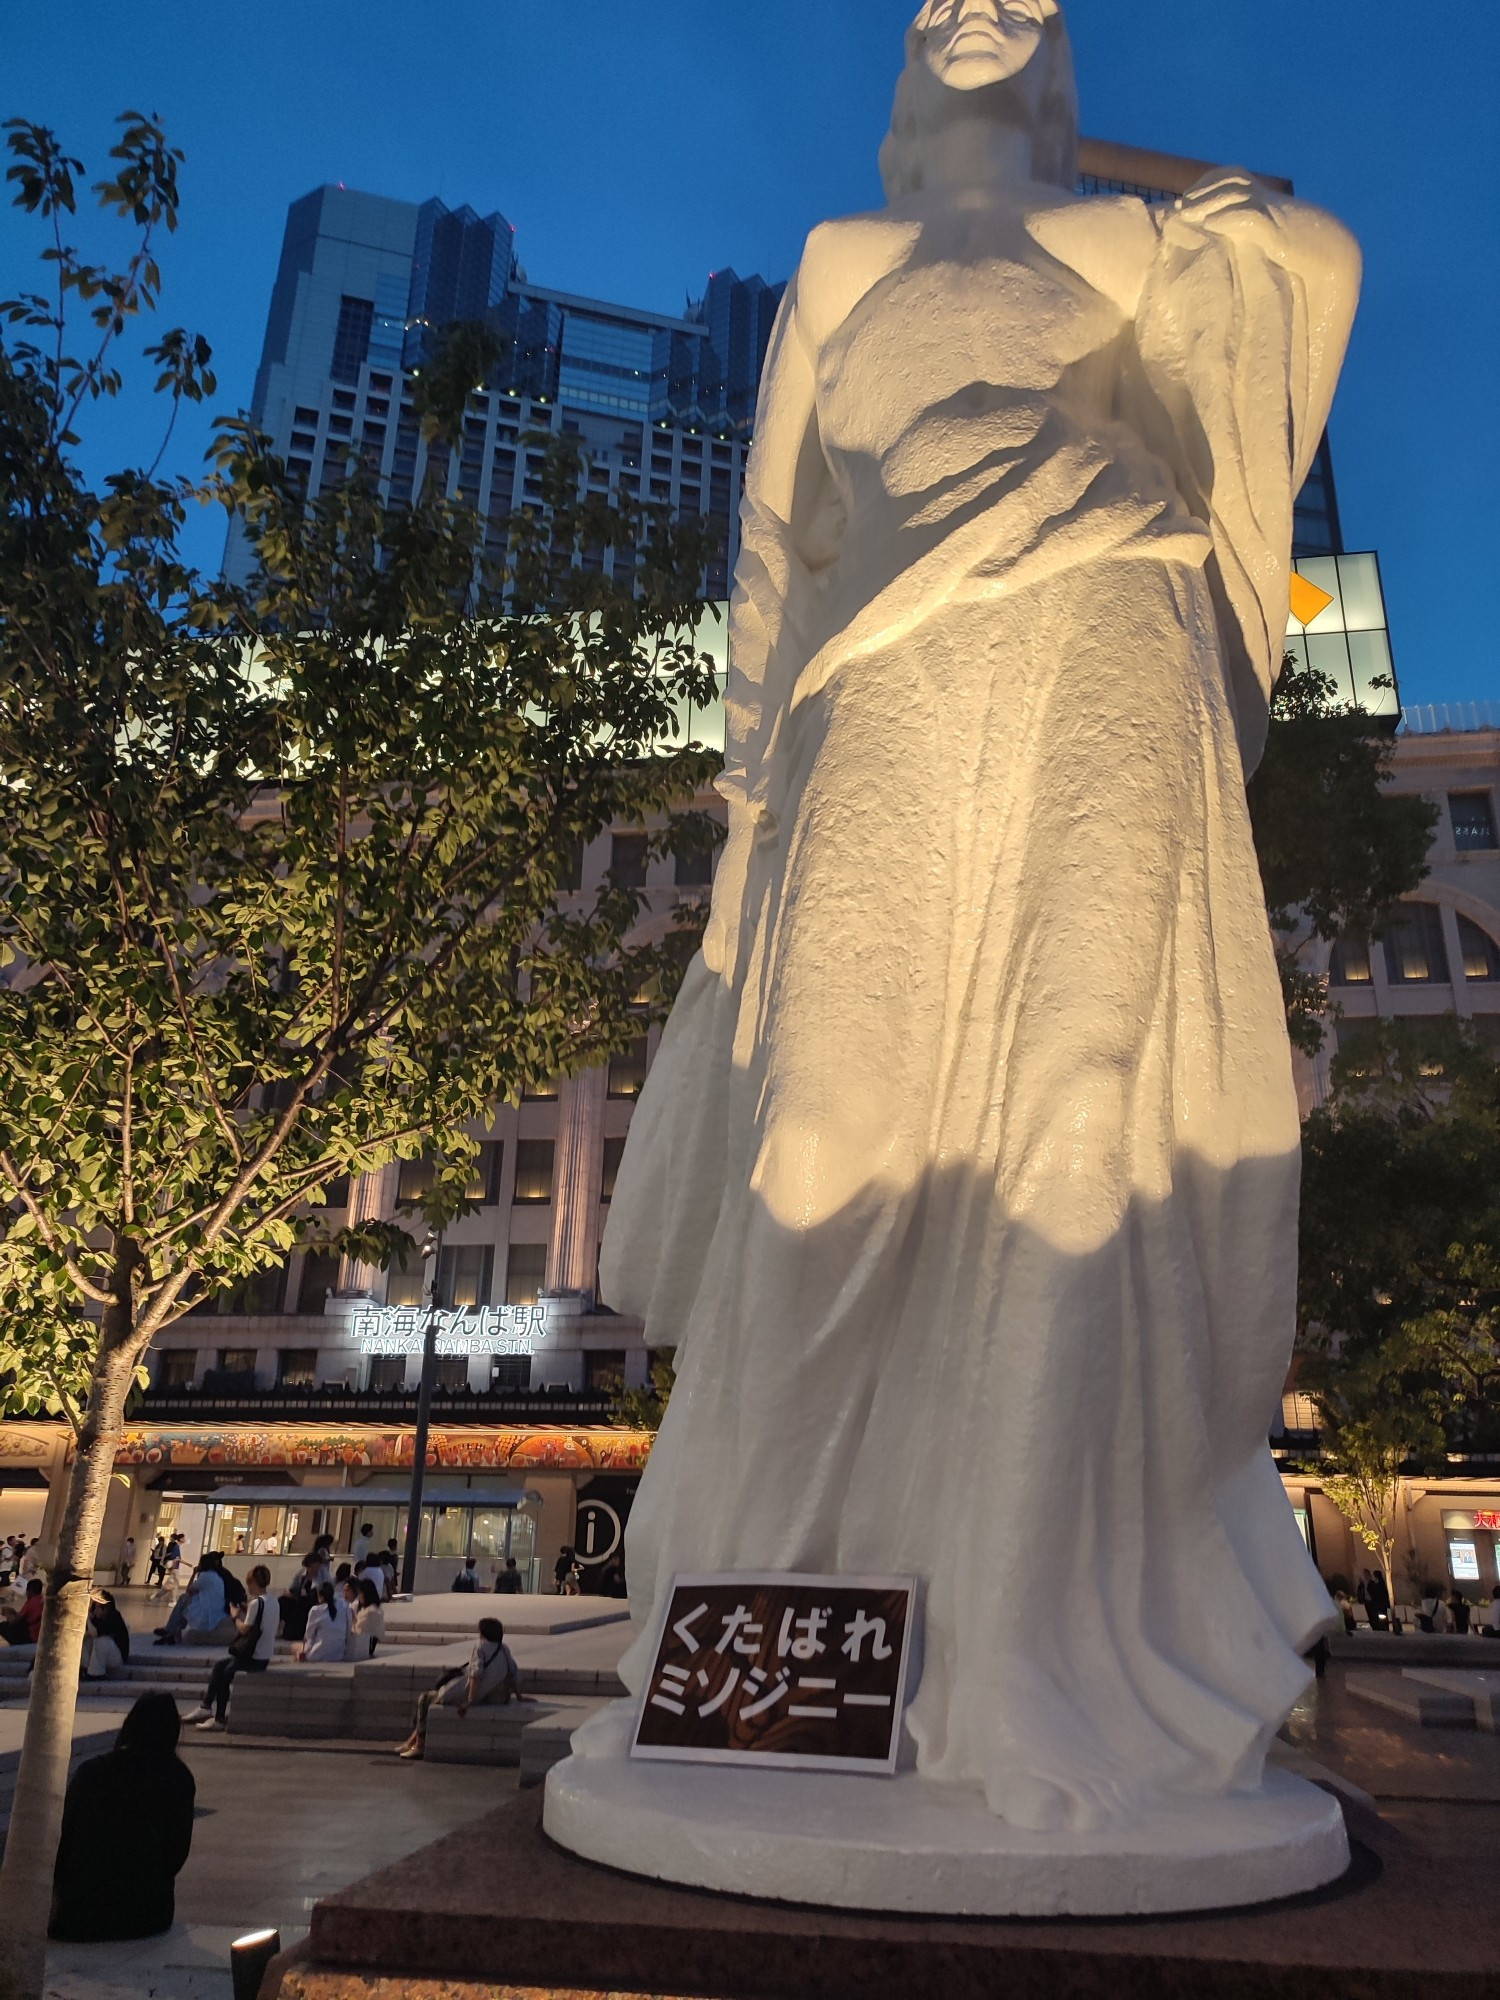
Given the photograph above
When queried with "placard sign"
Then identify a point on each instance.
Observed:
(802, 1672)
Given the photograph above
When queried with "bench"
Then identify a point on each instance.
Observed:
(305, 1702)
(549, 1739)
(488, 1734)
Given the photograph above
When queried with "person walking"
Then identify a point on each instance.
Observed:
(367, 1627)
(127, 1561)
(171, 1566)
(31, 1561)
(562, 1569)
(491, 1676)
(1378, 1601)
(251, 1650)
(364, 1541)
(508, 1582)
(127, 1828)
(467, 1578)
(328, 1626)
(156, 1563)
(1459, 1610)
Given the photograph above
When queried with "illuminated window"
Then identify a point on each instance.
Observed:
(1473, 819)
(1481, 953)
(627, 1072)
(1415, 954)
(388, 1372)
(1350, 964)
(525, 1273)
(297, 1367)
(534, 1170)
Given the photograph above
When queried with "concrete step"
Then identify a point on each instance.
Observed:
(1431, 1707)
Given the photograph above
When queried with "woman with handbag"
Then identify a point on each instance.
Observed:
(252, 1649)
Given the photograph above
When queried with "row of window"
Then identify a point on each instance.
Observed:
(1416, 953)
(235, 1368)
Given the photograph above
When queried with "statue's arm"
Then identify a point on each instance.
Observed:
(790, 528)
(1320, 258)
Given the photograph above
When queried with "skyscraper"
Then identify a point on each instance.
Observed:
(663, 405)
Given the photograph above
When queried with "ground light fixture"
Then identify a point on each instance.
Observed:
(248, 1958)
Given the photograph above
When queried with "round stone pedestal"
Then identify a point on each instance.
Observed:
(906, 1845)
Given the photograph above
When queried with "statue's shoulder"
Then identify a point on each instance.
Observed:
(1109, 240)
(842, 263)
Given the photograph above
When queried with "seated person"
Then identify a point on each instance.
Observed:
(126, 1829)
(368, 1627)
(491, 1676)
(106, 1644)
(22, 1630)
(200, 1616)
(328, 1627)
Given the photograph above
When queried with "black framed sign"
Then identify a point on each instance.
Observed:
(800, 1672)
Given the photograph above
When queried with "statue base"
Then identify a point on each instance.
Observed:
(905, 1845)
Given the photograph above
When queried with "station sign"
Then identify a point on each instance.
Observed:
(470, 1330)
(797, 1672)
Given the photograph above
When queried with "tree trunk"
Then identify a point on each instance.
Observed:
(36, 1813)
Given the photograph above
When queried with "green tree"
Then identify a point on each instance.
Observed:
(1399, 1293)
(286, 874)
(1337, 849)
(644, 1408)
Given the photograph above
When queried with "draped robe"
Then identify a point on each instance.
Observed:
(965, 1182)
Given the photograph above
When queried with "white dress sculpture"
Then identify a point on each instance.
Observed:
(966, 1181)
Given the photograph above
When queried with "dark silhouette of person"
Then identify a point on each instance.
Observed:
(126, 1830)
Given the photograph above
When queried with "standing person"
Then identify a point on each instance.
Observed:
(367, 1628)
(508, 1582)
(127, 1560)
(126, 1830)
(31, 1561)
(328, 1627)
(1378, 1601)
(612, 1583)
(1492, 1622)
(171, 1566)
(375, 1573)
(364, 1541)
(22, 1630)
(562, 1569)
(252, 1650)
(156, 1563)
(1459, 1610)
(391, 1559)
(467, 1578)
(491, 1676)
(106, 1644)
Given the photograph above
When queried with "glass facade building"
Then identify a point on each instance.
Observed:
(365, 289)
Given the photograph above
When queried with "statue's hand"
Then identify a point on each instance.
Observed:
(1231, 202)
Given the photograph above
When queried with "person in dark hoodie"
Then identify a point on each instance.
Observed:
(126, 1831)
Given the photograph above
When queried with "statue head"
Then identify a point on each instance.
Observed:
(1006, 60)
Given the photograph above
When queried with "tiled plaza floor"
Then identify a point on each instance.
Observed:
(277, 1829)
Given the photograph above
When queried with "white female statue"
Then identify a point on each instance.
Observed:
(966, 1181)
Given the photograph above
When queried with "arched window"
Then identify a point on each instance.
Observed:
(1415, 954)
(1481, 953)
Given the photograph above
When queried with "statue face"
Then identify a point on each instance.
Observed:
(970, 44)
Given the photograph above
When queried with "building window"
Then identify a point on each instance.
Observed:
(465, 1275)
(1473, 819)
(388, 1372)
(404, 1287)
(1350, 964)
(485, 1186)
(525, 1273)
(237, 1360)
(604, 1371)
(544, 1092)
(1415, 954)
(413, 1182)
(534, 1170)
(351, 341)
(320, 1278)
(452, 1373)
(1481, 953)
(296, 1367)
(627, 860)
(176, 1369)
(627, 1071)
(695, 868)
(614, 1152)
(510, 1374)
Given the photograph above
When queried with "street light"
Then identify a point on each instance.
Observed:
(432, 1260)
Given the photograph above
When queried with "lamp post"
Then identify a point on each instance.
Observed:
(432, 1258)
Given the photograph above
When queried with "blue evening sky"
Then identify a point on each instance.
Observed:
(638, 144)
